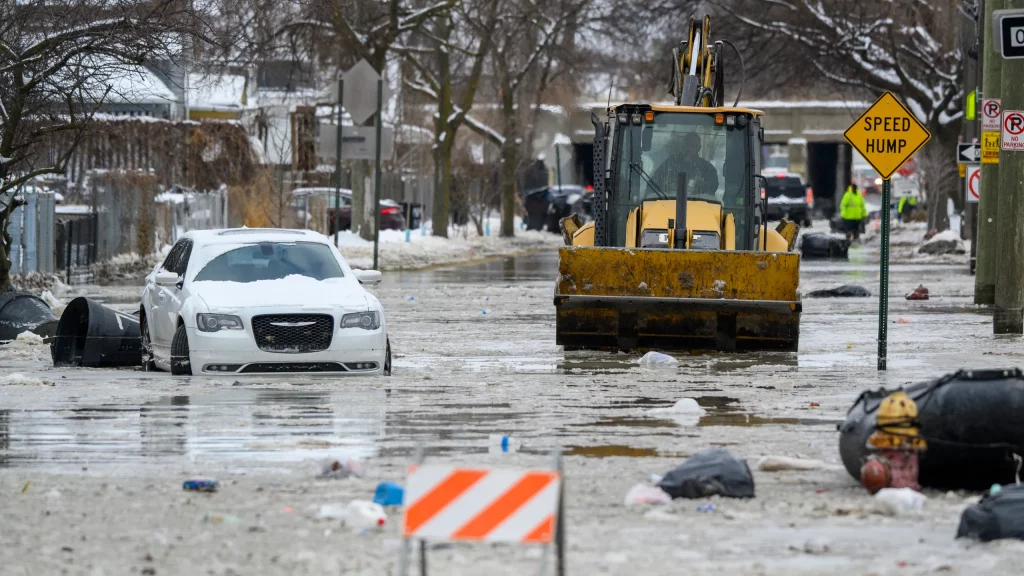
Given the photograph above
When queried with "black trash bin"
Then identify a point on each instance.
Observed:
(22, 312)
(92, 335)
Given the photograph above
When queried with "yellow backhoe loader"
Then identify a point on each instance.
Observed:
(679, 255)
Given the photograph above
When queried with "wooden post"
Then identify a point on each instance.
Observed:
(985, 269)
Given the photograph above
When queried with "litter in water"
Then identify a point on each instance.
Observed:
(646, 494)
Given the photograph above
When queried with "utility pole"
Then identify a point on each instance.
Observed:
(1008, 318)
(985, 271)
(969, 131)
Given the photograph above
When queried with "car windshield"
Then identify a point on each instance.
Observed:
(711, 157)
(272, 261)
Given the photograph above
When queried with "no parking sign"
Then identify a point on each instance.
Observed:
(973, 183)
(1013, 130)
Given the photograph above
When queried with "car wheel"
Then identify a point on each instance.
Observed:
(181, 365)
(148, 365)
(387, 359)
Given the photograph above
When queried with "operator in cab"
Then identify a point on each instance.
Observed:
(702, 178)
(853, 211)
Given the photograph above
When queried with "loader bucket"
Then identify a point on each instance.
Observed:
(641, 299)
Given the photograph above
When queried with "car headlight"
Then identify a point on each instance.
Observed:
(218, 322)
(364, 320)
(704, 240)
(654, 239)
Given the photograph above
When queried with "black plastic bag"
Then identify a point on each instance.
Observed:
(997, 516)
(710, 472)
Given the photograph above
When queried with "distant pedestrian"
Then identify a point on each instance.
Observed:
(907, 209)
(853, 210)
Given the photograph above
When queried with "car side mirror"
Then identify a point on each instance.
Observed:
(167, 278)
(372, 277)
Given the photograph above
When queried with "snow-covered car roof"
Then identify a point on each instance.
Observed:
(254, 235)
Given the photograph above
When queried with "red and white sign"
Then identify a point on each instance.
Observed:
(991, 113)
(973, 183)
(1013, 130)
(488, 505)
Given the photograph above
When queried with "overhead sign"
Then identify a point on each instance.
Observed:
(989, 148)
(973, 184)
(968, 153)
(358, 142)
(887, 135)
(1013, 130)
(991, 114)
(360, 92)
(1011, 32)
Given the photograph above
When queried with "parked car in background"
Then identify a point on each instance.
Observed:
(788, 197)
(252, 300)
(392, 215)
(545, 207)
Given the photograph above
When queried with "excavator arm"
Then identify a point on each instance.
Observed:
(697, 70)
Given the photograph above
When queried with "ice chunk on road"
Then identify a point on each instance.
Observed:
(780, 463)
(20, 379)
(682, 406)
(899, 501)
(657, 359)
(55, 304)
(30, 338)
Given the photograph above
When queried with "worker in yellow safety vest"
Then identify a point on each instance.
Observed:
(907, 208)
(853, 210)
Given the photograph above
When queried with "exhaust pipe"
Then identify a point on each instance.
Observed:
(681, 198)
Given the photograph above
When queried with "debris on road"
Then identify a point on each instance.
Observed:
(200, 485)
(217, 518)
(20, 311)
(389, 494)
(646, 494)
(844, 291)
(93, 335)
(55, 304)
(903, 320)
(919, 293)
(899, 501)
(970, 420)
(999, 515)
(710, 472)
(338, 470)
(358, 515)
(824, 246)
(498, 443)
(657, 359)
(945, 242)
(784, 463)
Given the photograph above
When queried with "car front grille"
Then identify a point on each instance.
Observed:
(293, 333)
(271, 367)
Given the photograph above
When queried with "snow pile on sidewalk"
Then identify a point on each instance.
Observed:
(424, 250)
(945, 242)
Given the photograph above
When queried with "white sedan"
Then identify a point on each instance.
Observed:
(246, 301)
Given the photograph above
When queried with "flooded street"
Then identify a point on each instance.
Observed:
(91, 461)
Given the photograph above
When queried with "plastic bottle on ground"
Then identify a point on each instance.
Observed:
(497, 443)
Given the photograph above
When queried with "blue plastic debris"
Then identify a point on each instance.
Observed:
(389, 494)
(200, 485)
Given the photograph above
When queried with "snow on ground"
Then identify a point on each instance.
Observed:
(423, 250)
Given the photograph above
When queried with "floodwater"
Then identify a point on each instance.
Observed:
(103, 452)
(473, 343)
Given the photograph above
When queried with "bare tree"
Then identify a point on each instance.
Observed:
(910, 48)
(60, 60)
(526, 32)
(439, 81)
(340, 33)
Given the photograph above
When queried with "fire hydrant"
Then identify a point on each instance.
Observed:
(896, 446)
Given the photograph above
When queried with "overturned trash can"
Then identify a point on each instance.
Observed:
(972, 423)
(22, 312)
(818, 246)
(92, 335)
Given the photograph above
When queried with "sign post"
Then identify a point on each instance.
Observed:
(337, 162)
(886, 135)
(376, 175)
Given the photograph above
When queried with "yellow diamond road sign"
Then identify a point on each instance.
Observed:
(887, 135)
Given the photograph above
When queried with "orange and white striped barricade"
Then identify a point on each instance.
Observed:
(445, 503)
